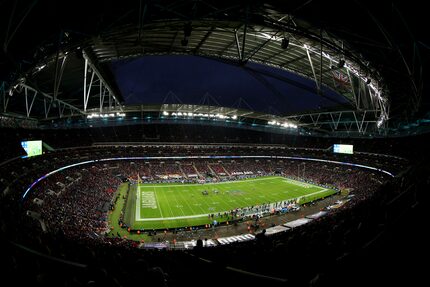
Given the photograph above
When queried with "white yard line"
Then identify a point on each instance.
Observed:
(238, 199)
(158, 204)
(227, 202)
(179, 193)
(208, 203)
(177, 202)
(138, 204)
(298, 182)
(319, 191)
(174, 218)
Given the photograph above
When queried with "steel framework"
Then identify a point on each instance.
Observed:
(25, 97)
(107, 99)
(235, 34)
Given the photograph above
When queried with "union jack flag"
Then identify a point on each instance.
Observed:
(341, 81)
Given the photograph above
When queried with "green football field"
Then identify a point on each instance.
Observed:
(160, 206)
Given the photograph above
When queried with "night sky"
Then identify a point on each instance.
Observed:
(150, 79)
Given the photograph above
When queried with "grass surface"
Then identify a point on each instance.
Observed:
(113, 219)
(160, 206)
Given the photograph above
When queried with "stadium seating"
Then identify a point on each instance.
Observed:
(73, 213)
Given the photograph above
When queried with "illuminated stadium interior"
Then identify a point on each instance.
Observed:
(173, 143)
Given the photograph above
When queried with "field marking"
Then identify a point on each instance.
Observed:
(166, 203)
(267, 195)
(176, 200)
(205, 215)
(227, 200)
(237, 199)
(138, 203)
(174, 218)
(208, 202)
(179, 192)
(313, 193)
(194, 199)
(299, 183)
(158, 204)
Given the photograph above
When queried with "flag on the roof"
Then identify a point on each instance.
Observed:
(341, 81)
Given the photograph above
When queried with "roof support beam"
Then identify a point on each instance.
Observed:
(231, 43)
(261, 46)
(47, 109)
(46, 96)
(351, 121)
(87, 92)
(313, 70)
(27, 107)
(102, 96)
(205, 37)
(87, 89)
(238, 45)
(5, 96)
(172, 44)
(58, 75)
(141, 19)
(336, 122)
(325, 113)
(352, 88)
(244, 35)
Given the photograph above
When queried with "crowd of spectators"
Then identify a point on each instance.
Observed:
(202, 168)
(75, 201)
(11, 122)
(218, 169)
(80, 207)
(189, 170)
(336, 240)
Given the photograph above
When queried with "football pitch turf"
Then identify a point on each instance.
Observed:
(174, 205)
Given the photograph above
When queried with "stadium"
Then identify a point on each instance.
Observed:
(194, 143)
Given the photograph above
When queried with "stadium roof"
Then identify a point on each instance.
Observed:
(329, 71)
